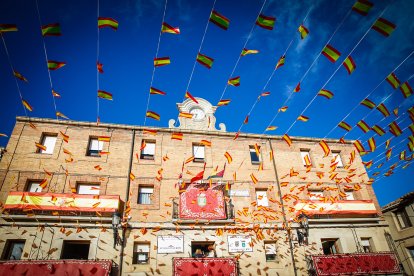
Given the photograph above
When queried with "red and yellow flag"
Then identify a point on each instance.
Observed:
(19, 76)
(248, 52)
(303, 118)
(254, 179)
(372, 145)
(60, 114)
(280, 62)
(303, 32)
(223, 102)
(40, 147)
(234, 81)
(393, 80)
(368, 103)
(326, 93)
(155, 91)
(205, 60)
(189, 96)
(266, 22)
(107, 22)
(8, 28)
(177, 136)
(153, 115)
(287, 139)
(270, 128)
(297, 88)
(104, 138)
(345, 126)
(27, 105)
(149, 131)
(383, 109)
(395, 129)
(331, 53)
(363, 126)
(358, 145)
(349, 64)
(228, 157)
(362, 7)
(185, 115)
(161, 61)
(378, 130)
(166, 28)
(406, 89)
(325, 147)
(206, 143)
(384, 27)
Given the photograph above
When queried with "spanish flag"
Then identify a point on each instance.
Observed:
(269, 128)
(107, 22)
(54, 65)
(363, 126)
(325, 147)
(51, 30)
(345, 126)
(40, 147)
(254, 179)
(248, 52)
(234, 81)
(303, 118)
(395, 129)
(372, 144)
(155, 91)
(104, 95)
(393, 80)
(264, 94)
(349, 64)
(153, 115)
(287, 139)
(55, 94)
(205, 143)
(8, 28)
(205, 60)
(326, 93)
(406, 89)
(331, 53)
(189, 160)
(185, 115)
(99, 67)
(388, 154)
(65, 137)
(19, 76)
(189, 96)
(219, 20)
(266, 22)
(383, 109)
(368, 103)
(104, 138)
(223, 102)
(280, 62)
(60, 114)
(303, 32)
(177, 136)
(27, 105)
(149, 131)
(297, 88)
(384, 27)
(358, 145)
(378, 130)
(246, 120)
(362, 7)
(158, 62)
(169, 29)
(228, 157)
(283, 108)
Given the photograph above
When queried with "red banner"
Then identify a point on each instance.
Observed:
(356, 264)
(205, 266)
(202, 202)
(56, 267)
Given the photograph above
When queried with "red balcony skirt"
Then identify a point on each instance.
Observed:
(356, 264)
(205, 266)
(56, 267)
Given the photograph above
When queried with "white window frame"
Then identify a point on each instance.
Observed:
(263, 201)
(87, 189)
(49, 141)
(349, 195)
(270, 248)
(337, 156)
(142, 250)
(34, 187)
(303, 153)
(148, 152)
(147, 190)
(316, 195)
(199, 153)
(95, 145)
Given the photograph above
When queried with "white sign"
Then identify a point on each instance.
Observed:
(240, 243)
(241, 193)
(170, 244)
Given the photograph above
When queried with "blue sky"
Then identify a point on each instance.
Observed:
(127, 55)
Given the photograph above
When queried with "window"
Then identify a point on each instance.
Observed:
(261, 197)
(148, 149)
(87, 189)
(411, 251)
(253, 155)
(141, 253)
(270, 250)
(403, 218)
(33, 187)
(13, 250)
(95, 147)
(366, 245)
(198, 153)
(145, 195)
(49, 141)
(349, 195)
(75, 250)
(306, 159)
(330, 246)
(337, 157)
(202, 249)
(316, 195)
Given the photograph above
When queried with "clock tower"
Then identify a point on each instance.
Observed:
(203, 116)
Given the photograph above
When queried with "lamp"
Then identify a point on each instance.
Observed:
(303, 230)
(116, 224)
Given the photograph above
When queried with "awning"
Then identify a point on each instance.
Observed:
(56, 267)
(356, 264)
(205, 266)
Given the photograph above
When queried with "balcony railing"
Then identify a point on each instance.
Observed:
(56, 267)
(383, 263)
(61, 204)
(205, 266)
(338, 208)
(228, 209)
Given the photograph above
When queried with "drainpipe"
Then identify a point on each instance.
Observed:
(283, 211)
(131, 156)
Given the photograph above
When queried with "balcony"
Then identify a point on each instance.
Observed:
(205, 266)
(353, 264)
(58, 205)
(341, 208)
(56, 267)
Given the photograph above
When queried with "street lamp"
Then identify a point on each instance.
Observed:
(116, 223)
(303, 230)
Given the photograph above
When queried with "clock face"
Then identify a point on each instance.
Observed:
(198, 113)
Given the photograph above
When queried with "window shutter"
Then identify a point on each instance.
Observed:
(49, 142)
(198, 152)
(149, 148)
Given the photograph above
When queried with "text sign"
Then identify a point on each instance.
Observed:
(240, 243)
(170, 244)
